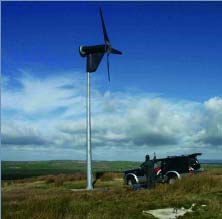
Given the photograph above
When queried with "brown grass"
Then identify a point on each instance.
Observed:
(200, 183)
(110, 176)
(60, 179)
(44, 200)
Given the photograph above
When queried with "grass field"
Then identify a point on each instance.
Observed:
(18, 170)
(50, 196)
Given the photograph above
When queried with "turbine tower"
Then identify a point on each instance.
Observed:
(94, 55)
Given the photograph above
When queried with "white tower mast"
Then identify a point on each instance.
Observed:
(88, 137)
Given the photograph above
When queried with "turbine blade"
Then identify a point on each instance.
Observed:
(106, 38)
(115, 51)
(108, 66)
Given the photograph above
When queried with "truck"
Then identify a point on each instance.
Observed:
(166, 170)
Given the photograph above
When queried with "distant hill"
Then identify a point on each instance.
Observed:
(211, 161)
(27, 169)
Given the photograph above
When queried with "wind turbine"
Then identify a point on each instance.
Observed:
(94, 55)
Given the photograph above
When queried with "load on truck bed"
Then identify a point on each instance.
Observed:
(167, 170)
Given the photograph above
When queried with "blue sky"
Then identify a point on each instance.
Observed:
(171, 67)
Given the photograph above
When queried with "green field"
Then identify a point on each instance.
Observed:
(49, 196)
(26, 169)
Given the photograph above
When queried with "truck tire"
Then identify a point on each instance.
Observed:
(172, 179)
(131, 181)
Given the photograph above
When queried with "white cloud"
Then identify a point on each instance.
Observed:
(50, 113)
(211, 129)
(214, 105)
(20, 135)
(40, 95)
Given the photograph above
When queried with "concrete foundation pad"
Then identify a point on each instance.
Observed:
(169, 213)
(93, 190)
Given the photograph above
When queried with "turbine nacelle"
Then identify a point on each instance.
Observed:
(86, 50)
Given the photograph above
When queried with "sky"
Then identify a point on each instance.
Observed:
(165, 94)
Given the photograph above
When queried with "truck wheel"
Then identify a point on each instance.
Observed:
(172, 180)
(131, 182)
